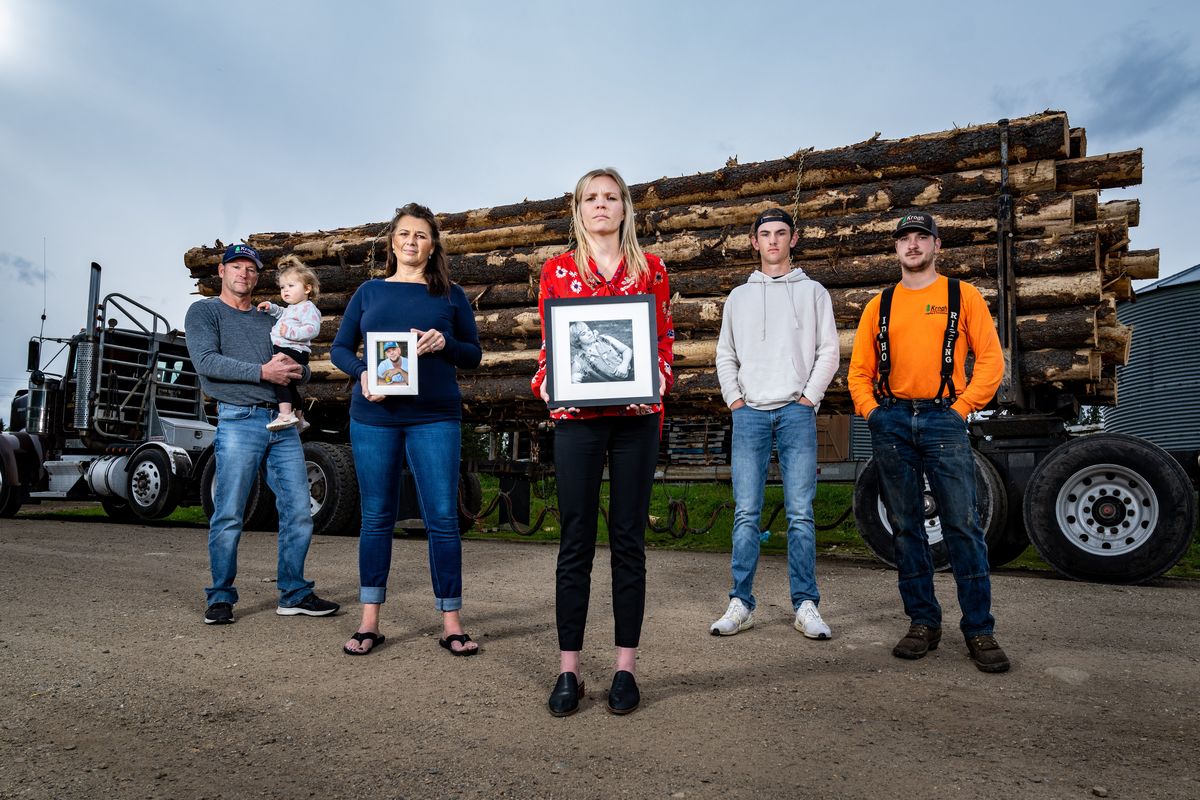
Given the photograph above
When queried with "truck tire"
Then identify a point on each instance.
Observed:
(153, 487)
(260, 505)
(470, 500)
(1011, 541)
(1004, 531)
(333, 489)
(118, 510)
(11, 498)
(876, 531)
(1110, 508)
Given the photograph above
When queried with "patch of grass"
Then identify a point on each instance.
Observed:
(703, 500)
(192, 516)
(709, 509)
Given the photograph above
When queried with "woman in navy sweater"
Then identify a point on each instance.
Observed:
(422, 429)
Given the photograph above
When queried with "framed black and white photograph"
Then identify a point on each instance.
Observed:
(391, 362)
(601, 351)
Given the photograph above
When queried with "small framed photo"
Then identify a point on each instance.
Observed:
(601, 351)
(391, 362)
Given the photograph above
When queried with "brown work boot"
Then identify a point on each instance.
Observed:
(986, 653)
(919, 640)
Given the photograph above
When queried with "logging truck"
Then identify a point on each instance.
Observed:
(1017, 204)
(125, 423)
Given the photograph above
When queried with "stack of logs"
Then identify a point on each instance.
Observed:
(1072, 261)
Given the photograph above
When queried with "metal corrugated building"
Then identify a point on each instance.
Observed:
(1158, 391)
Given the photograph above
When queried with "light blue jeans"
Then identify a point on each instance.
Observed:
(432, 451)
(243, 444)
(793, 430)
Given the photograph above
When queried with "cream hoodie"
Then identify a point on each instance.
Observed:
(779, 341)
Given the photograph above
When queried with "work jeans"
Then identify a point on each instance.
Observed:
(432, 451)
(911, 437)
(793, 430)
(580, 449)
(242, 446)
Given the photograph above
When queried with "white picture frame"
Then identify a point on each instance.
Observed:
(388, 377)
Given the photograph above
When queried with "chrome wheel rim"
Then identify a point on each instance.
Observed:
(1107, 510)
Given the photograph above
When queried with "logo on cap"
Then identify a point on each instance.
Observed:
(916, 222)
(241, 251)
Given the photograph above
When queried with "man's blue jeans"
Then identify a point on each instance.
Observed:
(242, 445)
(432, 451)
(793, 429)
(911, 437)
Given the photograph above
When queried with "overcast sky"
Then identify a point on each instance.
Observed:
(131, 131)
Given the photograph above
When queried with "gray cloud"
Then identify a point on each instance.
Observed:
(1144, 86)
(22, 269)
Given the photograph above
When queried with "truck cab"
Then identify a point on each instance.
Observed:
(124, 422)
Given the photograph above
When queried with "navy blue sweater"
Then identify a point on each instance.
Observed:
(381, 305)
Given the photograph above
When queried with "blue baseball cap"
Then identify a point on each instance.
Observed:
(241, 251)
(390, 345)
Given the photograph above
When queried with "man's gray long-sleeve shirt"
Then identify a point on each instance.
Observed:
(228, 348)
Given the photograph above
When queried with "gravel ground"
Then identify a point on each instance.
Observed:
(114, 688)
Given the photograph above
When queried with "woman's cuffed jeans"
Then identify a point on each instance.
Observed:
(432, 452)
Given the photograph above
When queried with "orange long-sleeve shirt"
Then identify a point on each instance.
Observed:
(917, 330)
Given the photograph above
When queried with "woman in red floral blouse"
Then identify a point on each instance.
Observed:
(607, 261)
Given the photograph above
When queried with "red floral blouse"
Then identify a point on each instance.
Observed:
(560, 278)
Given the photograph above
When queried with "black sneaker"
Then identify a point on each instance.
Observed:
(219, 614)
(310, 606)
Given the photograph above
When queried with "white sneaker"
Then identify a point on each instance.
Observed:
(283, 422)
(738, 617)
(303, 426)
(809, 622)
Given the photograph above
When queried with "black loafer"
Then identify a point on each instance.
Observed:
(624, 696)
(564, 700)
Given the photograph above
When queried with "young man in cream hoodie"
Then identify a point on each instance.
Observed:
(777, 353)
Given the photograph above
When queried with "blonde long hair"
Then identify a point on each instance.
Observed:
(631, 251)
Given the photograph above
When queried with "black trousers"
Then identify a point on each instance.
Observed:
(291, 392)
(630, 445)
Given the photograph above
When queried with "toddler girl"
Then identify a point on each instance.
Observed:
(299, 322)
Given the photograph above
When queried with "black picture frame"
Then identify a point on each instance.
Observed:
(601, 351)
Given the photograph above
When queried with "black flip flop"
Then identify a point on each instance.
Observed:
(462, 639)
(375, 639)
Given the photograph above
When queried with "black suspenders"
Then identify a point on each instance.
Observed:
(882, 349)
(946, 357)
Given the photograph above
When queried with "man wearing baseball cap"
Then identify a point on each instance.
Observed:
(230, 344)
(393, 368)
(777, 353)
(907, 378)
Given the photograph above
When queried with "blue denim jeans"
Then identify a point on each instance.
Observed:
(793, 430)
(432, 452)
(911, 437)
(243, 444)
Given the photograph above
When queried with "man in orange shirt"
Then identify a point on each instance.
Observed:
(907, 379)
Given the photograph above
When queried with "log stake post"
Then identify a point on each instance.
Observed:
(1010, 392)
